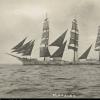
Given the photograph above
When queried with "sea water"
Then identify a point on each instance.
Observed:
(49, 81)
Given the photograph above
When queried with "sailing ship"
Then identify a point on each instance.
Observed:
(25, 49)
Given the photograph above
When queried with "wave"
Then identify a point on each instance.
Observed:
(26, 90)
(62, 78)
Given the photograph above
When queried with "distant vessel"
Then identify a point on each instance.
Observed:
(25, 49)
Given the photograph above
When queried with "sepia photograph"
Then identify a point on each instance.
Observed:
(49, 49)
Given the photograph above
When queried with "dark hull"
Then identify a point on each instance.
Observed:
(27, 61)
(51, 62)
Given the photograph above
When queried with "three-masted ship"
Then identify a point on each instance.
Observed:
(25, 49)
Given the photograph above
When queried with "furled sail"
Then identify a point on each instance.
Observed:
(97, 44)
(44, 52)
(60, 51)
(85, 54)
(74, 48)
(59, 41)
(19, 45)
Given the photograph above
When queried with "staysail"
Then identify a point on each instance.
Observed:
(97, 44)
(23, 47)
(28, 51)
(74, 37)
(19, 45)
(60, 51)
(86, 53)
(59, 41)
(44, 52)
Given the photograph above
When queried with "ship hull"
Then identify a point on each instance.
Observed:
(27, 61)
(38, 62)
(51, 62)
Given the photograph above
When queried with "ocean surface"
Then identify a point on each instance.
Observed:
(78, 81)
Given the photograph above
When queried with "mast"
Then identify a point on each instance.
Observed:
(44, 52)
(97, 44)
(74, 36)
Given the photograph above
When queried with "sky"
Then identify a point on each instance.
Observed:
(21, 18)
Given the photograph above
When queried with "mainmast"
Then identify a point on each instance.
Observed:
(44, 52)
(97, 44)
(74, 36)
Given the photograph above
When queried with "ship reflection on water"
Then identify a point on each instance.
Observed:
(49, 81)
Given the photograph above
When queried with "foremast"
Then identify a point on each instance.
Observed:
(74, 37)
(97, 44)
(44, 52)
